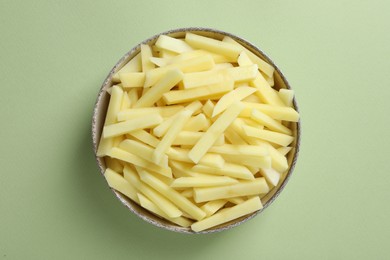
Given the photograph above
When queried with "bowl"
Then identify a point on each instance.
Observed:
(101, 105)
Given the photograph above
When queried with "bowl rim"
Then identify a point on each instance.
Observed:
(122, 61)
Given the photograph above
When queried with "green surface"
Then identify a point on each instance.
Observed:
(54, 56)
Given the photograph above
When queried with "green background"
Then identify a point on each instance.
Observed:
(54, 55)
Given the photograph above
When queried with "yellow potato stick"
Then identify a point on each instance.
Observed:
(212, 45)
(126, 102)
(117, 182)
(241, 150)
(233, 96)
(131, 125)
(226, 215)
(146, 53)
(269, 122)
(160, 62)
(236, 200)
(172, 44)
(208, 108)
(191, 138)
(209, 159)
(244, 60)
(122, 155)
(186, 182)
(229, 169)
(234, 138)
(243, 188)
(200, 79)
(215, 130)
(270, 175)
(133, 96)
(197, 123)
(171, 134)
(114, 106)
(149, 205)
(287, 96)
(188, 193)
(213, 206)
(263, 66)
(132, 79)
(199, 93)
(142, 150)
(171, 78)
(284, 150)
(164, 204)
(274, 137)
(131, 113)
(179, 200)
(245, 73)
(113, 164)
(277, 113)
(134, 65)
(253, 161)
(145, 137)
(105, 145)
(265, 92)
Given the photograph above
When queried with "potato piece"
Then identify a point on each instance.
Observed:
(133, 96)
(199, 93)
(270, 175)
(134, 65)
(229, 169)
(171, 134)
(145, 137)
(113, 164)
(160, 62)
(265, 92)
(117, 182)
(263, 66)
(287, 96)
(241, 150)
(126, 102)
(164, 204)
(171, 78)
(233, 137)
(252, 98)
(188, 193)
(244, 60)
(208, 108)
(131, 125)
(228, 214)
(233, 96)
(131, 113)
(201, 63)
(122, 155)
(197, 123)
(236, 200)
(172, 44)
(203, 78)
(246, 73)
(270, 136)
(253, 161)
(185, 182)
(132, 79)
(149, 205)
(174, 196)
(244, 188)
(142, 150)
(209, 159)
(277, 113)
(213, 206)
(215, 130)
(146, 53)
(212, 45)
(191, 138)
(268, 122)
(284, 150)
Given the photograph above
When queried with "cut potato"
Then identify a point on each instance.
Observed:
(117, 182)
(132, 79)
(228, 99)
(134, 65)
(172, 44)
(277, 113)
(274, 137)
(229, 169)
(287, 96)
(131, 113)
(186, 182)
(146, 53)
(268, 122)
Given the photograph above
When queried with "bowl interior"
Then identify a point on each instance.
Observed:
(99, 115)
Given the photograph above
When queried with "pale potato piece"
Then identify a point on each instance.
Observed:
(142, 150)
(253, 161)
(236, 200)
(122, 155)
(149, 205)
(263, 66)
(160, 62)
(171, 134)
(274, 137)
(287, 96)
(215, 130)
(208, 108)
(241, 150)
(172, 44)
(197, 123)
(265, 92)
(244, 60)
(277, 113)
(269, 122)
(233, 96)
(243, 188)
(113, 164)
(200, 63)
(229, 169)
(146, 53)
(164, 204)
(213, 206)
(240, 74)
(228, 214)
(186, 182)
(203, 78)
(114, 106)
(171, 78)
(188, 193)
(145, 137)
(117, 182)
(270, 175)
(126, 102)
(191, 138)
(132, 79)
(209, 159)
(174, 196)
(133, 96)
(134, 65)
(131, 125)
(164, 111)
(212, 45)
(199, 93)
(284, 150)
(234, 138)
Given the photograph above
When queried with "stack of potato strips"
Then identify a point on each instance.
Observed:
(195, 133)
